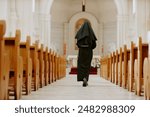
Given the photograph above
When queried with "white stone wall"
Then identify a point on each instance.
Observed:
(132, 25)
(4, 9)
(57, 36)
(24, 20)
(110, 37)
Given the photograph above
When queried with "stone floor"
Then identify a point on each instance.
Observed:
(69, 89)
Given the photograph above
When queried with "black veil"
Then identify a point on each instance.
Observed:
(85, 36)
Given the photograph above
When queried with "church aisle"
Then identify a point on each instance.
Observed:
(69, 89)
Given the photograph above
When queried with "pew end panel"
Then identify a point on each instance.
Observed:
(46, 66)
(16, 73)
(133, 57)
(35, 67)
(4, 64)
(146, 79)
(41, 67)
(27, 65)
(142, 53)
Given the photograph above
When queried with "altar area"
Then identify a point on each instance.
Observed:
(72, 64)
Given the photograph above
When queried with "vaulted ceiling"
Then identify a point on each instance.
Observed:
(104, 10)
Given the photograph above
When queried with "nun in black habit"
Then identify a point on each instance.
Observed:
(86, 42)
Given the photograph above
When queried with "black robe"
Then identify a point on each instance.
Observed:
(86, 42)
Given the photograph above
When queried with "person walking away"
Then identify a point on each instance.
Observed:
(86, 42)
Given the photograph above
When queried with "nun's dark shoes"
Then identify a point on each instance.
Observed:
(85, 83)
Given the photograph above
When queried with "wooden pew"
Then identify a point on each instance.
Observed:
(132, 73)
(64, 66)
(35, 66)
(41, 63)
(125, 67)
(55, 66)
(128, 68)
(146, 76)
(46, 66)
(27, 65)
(124, 64)
(108, 68)
(111, 67)
(60, 64)
(142, 54)
(4, 64)
(105, 67)
(120, 68)
(101, 69)
(58, 67)
(16, 65)
(135, 75)
(116, 68)
(50, 66)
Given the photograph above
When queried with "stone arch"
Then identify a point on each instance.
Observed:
(119, 4)
(72, 24)
(85, 15)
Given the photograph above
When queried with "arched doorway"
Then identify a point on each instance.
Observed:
(77, 27)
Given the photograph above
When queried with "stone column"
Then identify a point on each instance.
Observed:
(122, 28)
(45, 29)
(3, 9)
(141, 19)
(100, 41)
(12, 18)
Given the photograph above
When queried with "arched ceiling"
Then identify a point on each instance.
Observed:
(103, 10)
(120, 5)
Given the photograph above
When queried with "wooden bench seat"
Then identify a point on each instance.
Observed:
(35, 66)
(104, 67)
(4, 64)
(46, 66)
(125, 67)
(120, 66)
(146, 76)
(113, 67)
(16, 64)
(55, 66)
(27, 65)
(142, 54)
(58, 67)
(63, 66)
(41, 67)
(132, 62)
(116, 67)
(50, 66)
